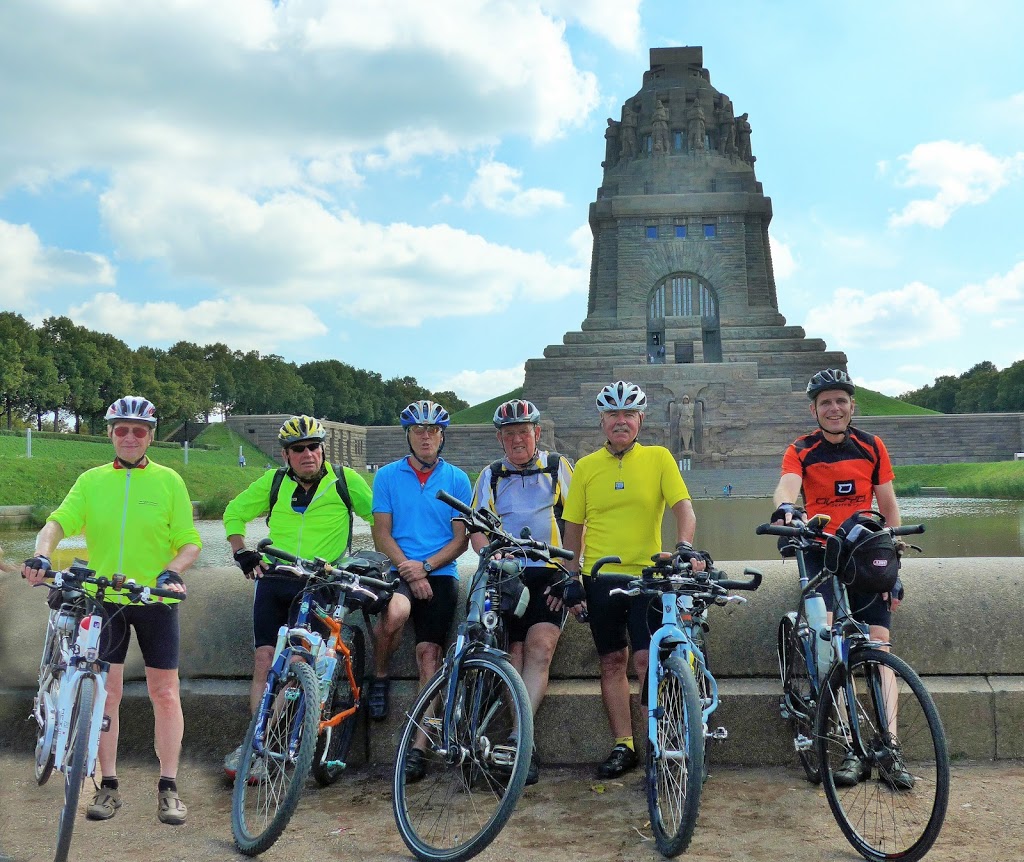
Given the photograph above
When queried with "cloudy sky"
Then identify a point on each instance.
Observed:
(404, 185)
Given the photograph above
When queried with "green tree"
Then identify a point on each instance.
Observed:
(17, 342)
(1010, 392)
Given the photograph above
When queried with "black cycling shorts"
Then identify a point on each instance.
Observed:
(536, 579)
(156, 627)
(274, 605)
(432, 618)
(613, 617)
(868, 608)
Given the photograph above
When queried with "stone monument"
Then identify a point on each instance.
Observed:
(682, 295)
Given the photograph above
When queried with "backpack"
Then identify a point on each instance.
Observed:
(500, 471)
(341, 486)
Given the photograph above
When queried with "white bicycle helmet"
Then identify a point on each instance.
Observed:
(621, 396)
(132, 408)
(424, 413)
(516, 412)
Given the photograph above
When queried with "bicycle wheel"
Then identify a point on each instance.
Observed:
(675, 777)
(276, 758)
(703, 690)
(469, 790)
(75, 762)
(333, 745)
(799, 695)
(879, 711)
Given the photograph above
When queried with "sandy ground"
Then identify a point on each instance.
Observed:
(747, 815)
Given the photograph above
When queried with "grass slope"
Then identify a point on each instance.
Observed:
(871, 403)
(1002, 479)
(482, 414)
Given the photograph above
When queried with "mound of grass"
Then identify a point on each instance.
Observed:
(482, 414)
(871, 403)
(998, 479)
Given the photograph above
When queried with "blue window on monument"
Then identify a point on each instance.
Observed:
(677, 140)
(652, 231)
(648, 144)
(710, 231)
(680, 231)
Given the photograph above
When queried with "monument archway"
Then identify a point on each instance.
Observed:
(683, 294)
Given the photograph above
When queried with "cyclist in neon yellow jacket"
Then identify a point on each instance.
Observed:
(137, 520)
(310, 515)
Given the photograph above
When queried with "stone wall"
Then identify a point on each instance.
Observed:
(344, 443)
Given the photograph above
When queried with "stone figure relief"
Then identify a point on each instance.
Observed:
(696, 128)
(743, 139)
(726, 128)
(659, 128)
(627, 132)
(611, 146)
(685, 421)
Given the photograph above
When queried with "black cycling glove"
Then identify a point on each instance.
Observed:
(248, 561)
(167, 577)
(688, 554)
(897, 591)
(570, 591)
(40, 562)
(796, 513)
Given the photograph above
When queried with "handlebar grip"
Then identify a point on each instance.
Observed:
(604, 560)
(909, 530)
(561, 553)
(265, 547)
(777, 530)
(454, 502)
(162, 594)
(378, 584)
(751, 585)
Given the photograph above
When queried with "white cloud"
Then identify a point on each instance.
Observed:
(276, 94)
(618, 21)
(963, 174)
(236, 320)
(995, 298)
(477, 386)
(581, 241)
(496, 187)
(783, 263)
(27, 266)
(294, 245)
(909, 317)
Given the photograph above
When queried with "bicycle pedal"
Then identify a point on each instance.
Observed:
(504, 755)
(717, 733)
(293, 694)
(803, 743)
(784, 709)
(336, 764)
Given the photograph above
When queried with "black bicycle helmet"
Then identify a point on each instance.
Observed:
(830, 378)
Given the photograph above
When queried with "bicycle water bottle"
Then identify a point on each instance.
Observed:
(325, 672)
(817, 621)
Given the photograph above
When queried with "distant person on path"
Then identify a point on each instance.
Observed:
(309, 510)
(416, 532)
(138, 519)
(527, 489)
(840, 470)
(619, 493)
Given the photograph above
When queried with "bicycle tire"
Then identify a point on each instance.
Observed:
(75, 764)
(261, 807)
(800, 696)
(45, 738)
(675, 779)
(884, 818)
(703, 690)
(334, 743)
(465, 798)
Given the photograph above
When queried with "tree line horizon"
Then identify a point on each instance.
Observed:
(72, 374)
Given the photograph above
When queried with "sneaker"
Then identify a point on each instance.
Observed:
(379, 698)
(852, 772)
(257, 769)
(533, 773)
(622, 759)
(170, 809)
(415, 766)
(231, 763)
(897, 776)
(104, 804)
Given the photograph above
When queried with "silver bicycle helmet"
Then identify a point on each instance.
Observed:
(132, 408)
(516, 412)
(621, 396)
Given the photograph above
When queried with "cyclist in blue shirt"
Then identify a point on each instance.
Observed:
(415, 530)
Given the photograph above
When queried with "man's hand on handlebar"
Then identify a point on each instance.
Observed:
(568, 593)
(787, 513)
(35, 569)
(697, 559)
(251, 563)
(171, 581)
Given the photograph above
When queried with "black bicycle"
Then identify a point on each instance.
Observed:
(851, 701)
(465, 748)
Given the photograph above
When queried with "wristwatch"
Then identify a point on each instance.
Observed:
(427, 567)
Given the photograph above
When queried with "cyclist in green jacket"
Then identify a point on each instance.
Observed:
(309, 518)
(138, 520)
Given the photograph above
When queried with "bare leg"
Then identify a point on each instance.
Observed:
(388, 632)
(615, 692)
(169, 723)
(108, 740)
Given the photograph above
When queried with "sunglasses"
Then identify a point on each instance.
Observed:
(304, 447)
(136, 431)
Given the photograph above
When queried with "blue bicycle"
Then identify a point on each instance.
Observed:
(681, 691)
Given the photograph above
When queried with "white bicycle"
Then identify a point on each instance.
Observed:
(68, 707)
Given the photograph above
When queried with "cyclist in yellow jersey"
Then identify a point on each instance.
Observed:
(138, 520)
(619, 493)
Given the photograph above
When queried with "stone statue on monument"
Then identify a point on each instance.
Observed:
(659, 128)
(627, 132)
(696, 129)
(743, 139)
(726, 128)
(611, 144)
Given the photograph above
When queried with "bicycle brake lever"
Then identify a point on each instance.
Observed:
(618, 591)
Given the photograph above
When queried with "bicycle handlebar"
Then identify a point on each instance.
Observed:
(134, 590)
(478, 523)
(751, 585)
(265, 547)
